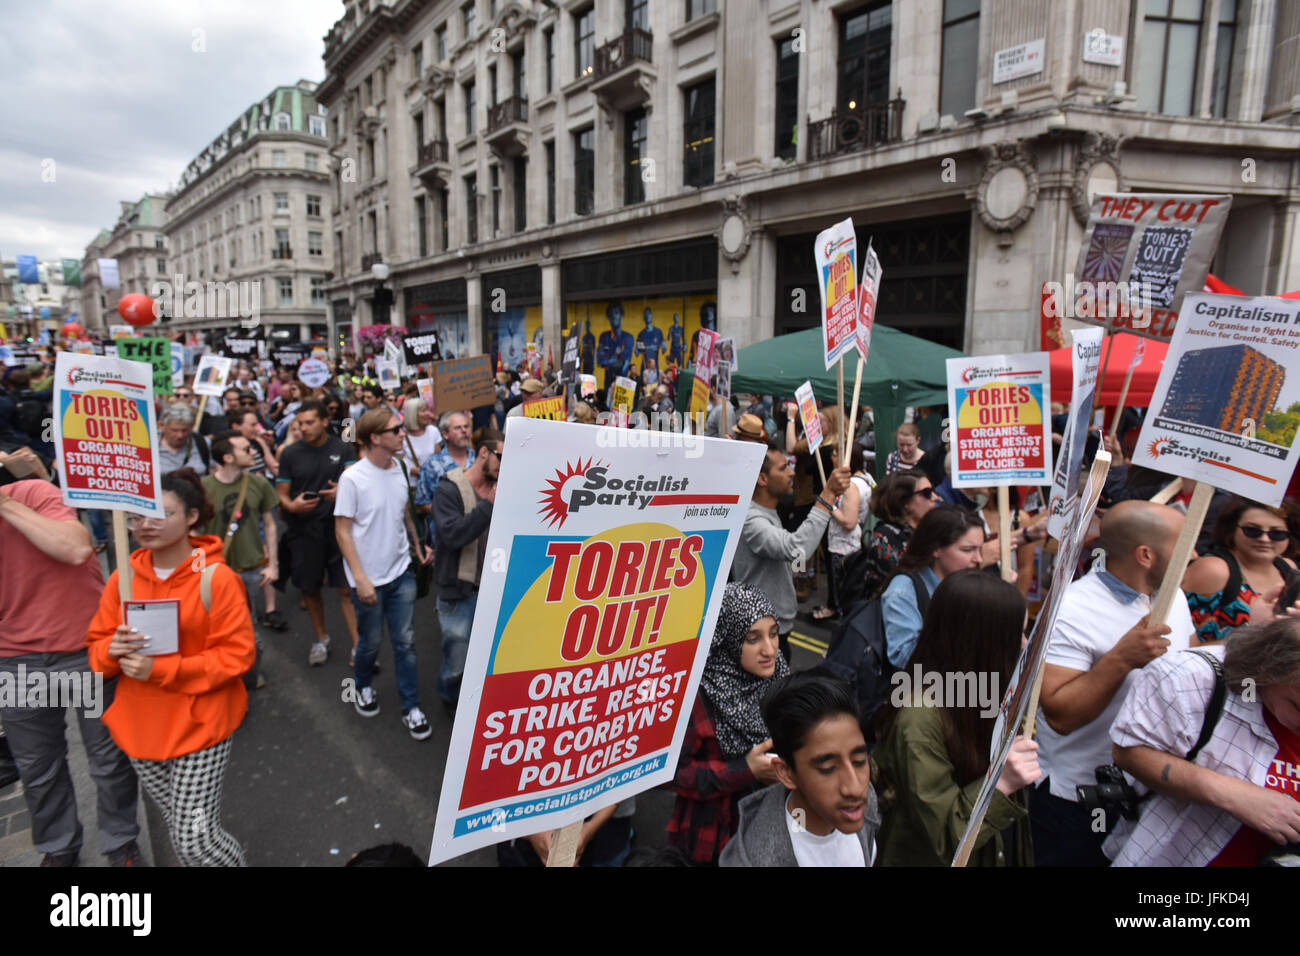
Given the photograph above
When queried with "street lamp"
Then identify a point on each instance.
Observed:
(382, 296)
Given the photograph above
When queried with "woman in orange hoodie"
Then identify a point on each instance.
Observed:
(175, 714)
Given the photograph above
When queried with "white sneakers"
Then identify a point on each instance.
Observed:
(319, 653)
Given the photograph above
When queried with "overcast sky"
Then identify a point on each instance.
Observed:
(122, 94)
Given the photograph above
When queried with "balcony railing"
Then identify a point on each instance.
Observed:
(512, 110)
(282, 252)
(635, 44)
(434, 151)
(867, 127)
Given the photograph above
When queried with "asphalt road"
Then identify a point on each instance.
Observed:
(311, 782)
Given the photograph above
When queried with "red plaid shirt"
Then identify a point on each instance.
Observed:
(708, 788)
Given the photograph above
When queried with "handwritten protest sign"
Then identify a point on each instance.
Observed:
(157, 352)
(597, 606)
(463, 383)
(1145, 248)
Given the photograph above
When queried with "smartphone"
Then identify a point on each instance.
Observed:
(1290, 594)
(310, 495)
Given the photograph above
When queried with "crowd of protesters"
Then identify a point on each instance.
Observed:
(382, 499)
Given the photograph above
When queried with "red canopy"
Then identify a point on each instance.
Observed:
(1121, 353)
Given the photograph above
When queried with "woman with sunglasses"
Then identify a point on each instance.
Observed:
(174, 713)
(899, 503)
(1244, 566)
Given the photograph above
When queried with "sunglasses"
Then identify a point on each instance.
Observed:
(389, 431)
(928, 492)
(1255, 531)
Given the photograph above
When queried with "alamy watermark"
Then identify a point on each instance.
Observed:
(656, 430)
(237, 299)
(83, 690)
(951, 689)
(1092, 300)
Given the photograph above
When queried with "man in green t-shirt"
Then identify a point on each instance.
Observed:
(244, 551)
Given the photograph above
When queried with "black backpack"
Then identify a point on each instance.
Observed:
(858, 650)
(1233, 587)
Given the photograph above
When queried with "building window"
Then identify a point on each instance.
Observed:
(698, 8)
(960, 60)
(699, 134)
(313, 206)
(471, 209)
(422, 225)
(493, 99)
(550, 182)
(634, 136)
(370, 158)
(1223, 50)
(372, 221)
(444, 220)
(469, 18)
(370, 90)
(282, 122)
(316, 126)
(440, 43)
(158, 242)
(865, 37)
(471, 121)
(1171, 39)
(548, 37)
(584, 41)
(419, 129)
(315, 244)
(317, 290)
(337, 134)
(495, 177)
(282, 250)
(311, 161)
(584, 171)
(286, 291)
(520, 176)
(162, 263)
(518, 75)
(278, 159)
(636, 15)
(417, 61)
(281, 203)
(787, 99)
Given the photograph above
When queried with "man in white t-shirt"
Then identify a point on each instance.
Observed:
(375, 534)
(824, 811)
(1101, 640)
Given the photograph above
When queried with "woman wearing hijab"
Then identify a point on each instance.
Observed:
(725, 753)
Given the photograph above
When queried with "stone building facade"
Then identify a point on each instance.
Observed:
(523, 166)
(250, 221)
(138, 242)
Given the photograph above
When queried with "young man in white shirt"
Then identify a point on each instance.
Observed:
(375, 534)
(824, 810)
(1101, 640)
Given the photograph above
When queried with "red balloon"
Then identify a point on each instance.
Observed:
(136, 308)
(73, 330)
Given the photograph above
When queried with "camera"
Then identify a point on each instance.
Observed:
(1112, 793)
(1290, 594)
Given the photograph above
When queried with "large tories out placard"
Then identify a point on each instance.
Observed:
(835, 251)
(104, 434)
(1003, 432)
(1227, 404)
(603, 577)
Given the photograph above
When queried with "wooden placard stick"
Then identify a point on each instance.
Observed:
(839, 384)
(1171, 586)
(853, 411)
(1004, 532)
(122, 552)
(564, 845)
(1168, 492)
(1123, 397)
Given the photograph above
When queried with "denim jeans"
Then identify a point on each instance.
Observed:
(395, 603)
(456, 618)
